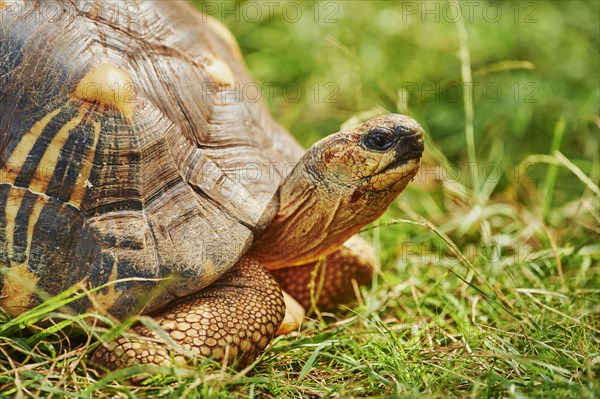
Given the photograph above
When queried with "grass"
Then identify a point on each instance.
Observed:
(490, 277)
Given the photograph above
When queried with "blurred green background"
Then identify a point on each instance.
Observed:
(532, 63)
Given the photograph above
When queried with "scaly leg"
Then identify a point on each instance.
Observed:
(235, 317)
(355, 260)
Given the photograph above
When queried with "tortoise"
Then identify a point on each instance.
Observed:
(133, 166)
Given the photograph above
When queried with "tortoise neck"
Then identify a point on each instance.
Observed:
(305, 226)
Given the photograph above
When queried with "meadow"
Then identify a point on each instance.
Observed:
(489, 276)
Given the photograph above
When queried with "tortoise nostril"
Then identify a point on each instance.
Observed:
(411, 144)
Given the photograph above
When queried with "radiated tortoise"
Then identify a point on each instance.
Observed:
(131, 161)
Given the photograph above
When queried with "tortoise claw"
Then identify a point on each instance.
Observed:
(294, 316)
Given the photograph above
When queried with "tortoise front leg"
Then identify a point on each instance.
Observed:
(234, 318)
(355, 260)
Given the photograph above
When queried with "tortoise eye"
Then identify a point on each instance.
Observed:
(378, 140)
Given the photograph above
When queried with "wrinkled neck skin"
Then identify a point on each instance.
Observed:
(319, 209)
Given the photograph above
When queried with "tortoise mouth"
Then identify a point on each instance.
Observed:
(409, 148)
(399, 166)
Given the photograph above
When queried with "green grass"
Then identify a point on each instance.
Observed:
(490, 278)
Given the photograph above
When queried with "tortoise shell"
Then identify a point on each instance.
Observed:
(127, 152)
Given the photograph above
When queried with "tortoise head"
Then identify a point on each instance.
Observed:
(343, 182)
(371, 159)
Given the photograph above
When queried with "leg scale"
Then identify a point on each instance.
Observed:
(235, 317)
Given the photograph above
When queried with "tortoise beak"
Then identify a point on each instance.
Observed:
(410, 146)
